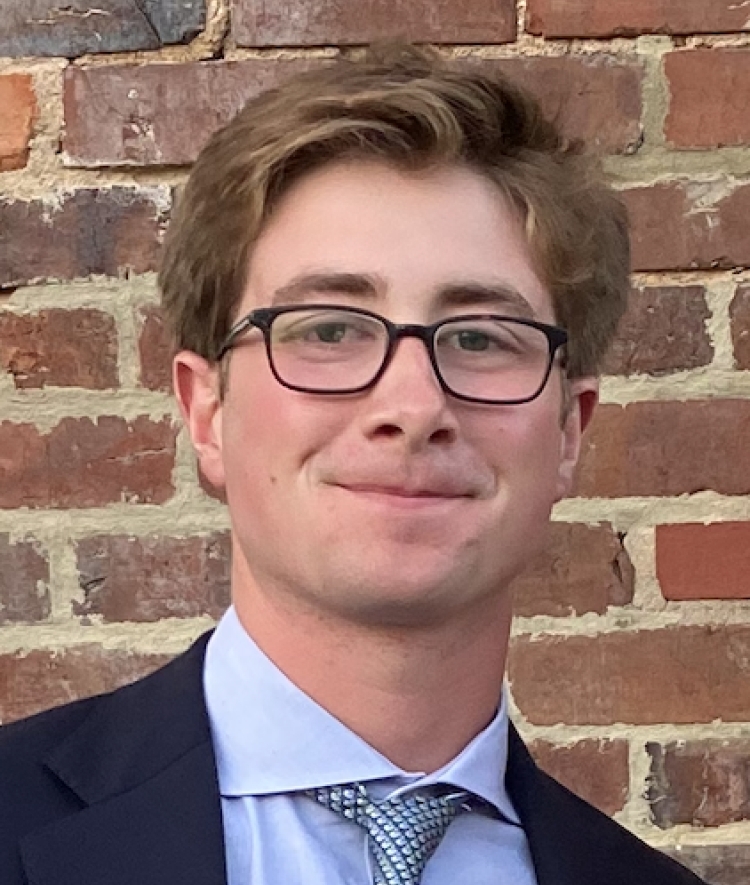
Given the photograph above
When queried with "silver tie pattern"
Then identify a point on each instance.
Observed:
(404, 832)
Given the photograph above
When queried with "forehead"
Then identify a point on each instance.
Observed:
(412, 235)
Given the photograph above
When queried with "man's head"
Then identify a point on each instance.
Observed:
(420, 195)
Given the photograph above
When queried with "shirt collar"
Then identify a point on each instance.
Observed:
(270, 737)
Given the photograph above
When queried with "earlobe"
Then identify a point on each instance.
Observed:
(583, 395)
(196, 385)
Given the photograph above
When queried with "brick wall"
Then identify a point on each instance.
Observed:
(630, 670)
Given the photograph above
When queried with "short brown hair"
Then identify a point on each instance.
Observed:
(411, 109)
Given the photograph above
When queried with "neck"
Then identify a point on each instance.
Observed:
(417, 695)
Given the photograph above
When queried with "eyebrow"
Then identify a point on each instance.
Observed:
(469, 293)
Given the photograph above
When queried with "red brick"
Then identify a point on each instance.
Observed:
(85, 463)
(675, 675)
(707, 98)
(739, 315)
(330, 22)
(24, 588)
(602, 18)
(667, 448)
(145, 579)
(62, 348)
(676, 226)
(115, 231)
(596, 770)
(718, 864)
(35, 680)
(584, 569)
(704, 783)
(663, 331)
(594, 97)
(696, 561)
(149, 102)
(154, 350)
(19, 106)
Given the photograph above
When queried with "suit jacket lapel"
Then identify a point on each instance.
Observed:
(143, 768)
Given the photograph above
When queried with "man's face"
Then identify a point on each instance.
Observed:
(400, 504)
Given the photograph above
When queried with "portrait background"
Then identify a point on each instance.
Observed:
(630, 664)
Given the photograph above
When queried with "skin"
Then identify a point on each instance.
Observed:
(376, 535)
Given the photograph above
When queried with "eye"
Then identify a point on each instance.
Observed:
(329, 333)
(472, 339)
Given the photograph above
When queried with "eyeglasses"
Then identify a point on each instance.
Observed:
(331, 350)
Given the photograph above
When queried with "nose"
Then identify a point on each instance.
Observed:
(408, 404)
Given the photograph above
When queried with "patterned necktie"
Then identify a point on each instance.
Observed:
(404, 832)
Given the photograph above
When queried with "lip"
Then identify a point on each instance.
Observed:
(404, 496)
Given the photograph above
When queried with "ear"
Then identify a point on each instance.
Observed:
(197, 388)
(582, 397)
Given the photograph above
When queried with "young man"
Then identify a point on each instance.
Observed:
(391, 284)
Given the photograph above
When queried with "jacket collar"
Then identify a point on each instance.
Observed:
(142, 767)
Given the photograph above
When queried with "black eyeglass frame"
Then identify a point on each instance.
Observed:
(263, 317)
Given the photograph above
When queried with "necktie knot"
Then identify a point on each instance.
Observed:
(405, 832)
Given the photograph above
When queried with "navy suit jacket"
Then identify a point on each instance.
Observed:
(121, 789)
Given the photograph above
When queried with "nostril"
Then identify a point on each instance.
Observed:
(388, 431)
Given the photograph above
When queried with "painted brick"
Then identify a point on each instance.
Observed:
(70, 28)
(696, 561)
(150, 101)
(704, 783)
(18, 101)
(707, 98)
(596, 770)
(144, 579)
(723, 864)
(667, 448)
(62, 348)
(24, 588)
(584, 569)
(647, 677)
(602, 18)
(663, 331)
(85, 463)
(32, 681)
(154, 350)
(114, 232)
(739, 316)
(329, 22)
(594, 97)
(677, 225)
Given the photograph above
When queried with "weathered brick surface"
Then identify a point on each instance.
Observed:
(717, 864)
(708, 91)
(697, 561)
(19, 109)
(704, 783)
(154, 350)
(663, 331)
(112, 232)
(85, 463)
(596, 770)
(739, 314)
(584, 569)
(57, 347)
(70, 28)
(35, 680)
(602, 18)
(677, 226)
(677, 675)
(24, 585)
(326, 22)
(667, 448)
(144, 579)
(149, 102)
(594, 97)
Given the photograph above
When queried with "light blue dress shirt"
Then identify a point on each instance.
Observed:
(272, 740)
